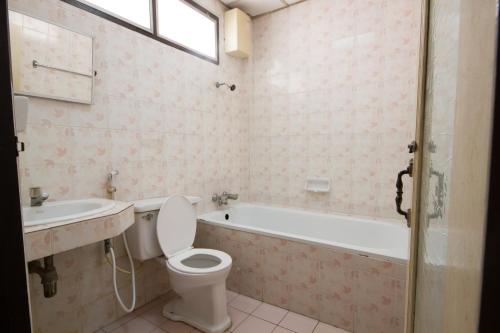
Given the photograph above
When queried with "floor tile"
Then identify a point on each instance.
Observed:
(298, 323)
(245, 304)
(176, 327)
(146, 307)
(325, 328)
(270, 313)
(154, 315)
(236, 316)
(230, 296)
(247, 316)
(121, 321)
(255, 325)
(280, 329)
(136, 325)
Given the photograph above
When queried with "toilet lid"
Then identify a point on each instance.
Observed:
(176, 225)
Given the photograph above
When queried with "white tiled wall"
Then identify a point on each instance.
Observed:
(330, 91)
(158, 118)
(334, 95)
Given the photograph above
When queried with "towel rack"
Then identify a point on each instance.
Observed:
(37, 64)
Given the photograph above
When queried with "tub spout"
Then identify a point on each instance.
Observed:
(221, 199)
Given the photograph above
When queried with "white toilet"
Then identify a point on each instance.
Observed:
(198, 276)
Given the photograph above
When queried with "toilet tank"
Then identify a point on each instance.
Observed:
(141, 236)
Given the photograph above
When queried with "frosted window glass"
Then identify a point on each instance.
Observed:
(185, 25)
(137, 11)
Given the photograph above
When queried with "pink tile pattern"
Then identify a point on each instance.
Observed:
(157, 117)
(350, 291)
(313, 111)
(334, 95)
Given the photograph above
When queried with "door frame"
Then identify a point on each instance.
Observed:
(490, 291)
(411, 272)
(14, 280)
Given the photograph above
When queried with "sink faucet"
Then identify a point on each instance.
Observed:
(221, 199)
(37, 196)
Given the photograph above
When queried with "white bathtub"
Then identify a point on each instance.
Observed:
(386, 240)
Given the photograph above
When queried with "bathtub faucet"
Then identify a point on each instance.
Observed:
(221, 199)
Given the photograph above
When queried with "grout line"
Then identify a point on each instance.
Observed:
(314, 328)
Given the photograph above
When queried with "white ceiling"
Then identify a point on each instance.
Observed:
(259, 7)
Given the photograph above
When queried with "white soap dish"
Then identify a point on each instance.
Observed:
(317, 184)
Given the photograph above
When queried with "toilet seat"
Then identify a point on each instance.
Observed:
(176, 226)
(200, 261)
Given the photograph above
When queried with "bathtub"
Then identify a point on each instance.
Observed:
(348, 272)
(385, 240)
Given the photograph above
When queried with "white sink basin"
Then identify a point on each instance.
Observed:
(59, 211)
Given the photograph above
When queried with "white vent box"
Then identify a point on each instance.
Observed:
(317, 185)
(238, 33)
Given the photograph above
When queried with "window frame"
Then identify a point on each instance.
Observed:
(153, 32)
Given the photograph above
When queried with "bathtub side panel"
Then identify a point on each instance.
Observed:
(355, 292)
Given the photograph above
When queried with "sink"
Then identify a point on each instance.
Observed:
(59, 211)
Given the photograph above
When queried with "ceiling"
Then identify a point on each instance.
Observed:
(259, 7)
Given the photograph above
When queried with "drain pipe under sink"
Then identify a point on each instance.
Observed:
(108, 248)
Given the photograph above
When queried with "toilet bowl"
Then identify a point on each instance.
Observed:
(198, 276)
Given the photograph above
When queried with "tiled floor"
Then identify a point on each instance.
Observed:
(247, 315)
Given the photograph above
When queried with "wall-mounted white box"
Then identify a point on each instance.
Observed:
(238, 33)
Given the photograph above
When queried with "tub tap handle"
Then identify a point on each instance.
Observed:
(37, 197)
(230, 196)
(221, 199)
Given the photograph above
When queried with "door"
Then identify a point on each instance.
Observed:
(14, 288)
(451, 166)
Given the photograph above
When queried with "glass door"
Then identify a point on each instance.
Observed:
(461, 42)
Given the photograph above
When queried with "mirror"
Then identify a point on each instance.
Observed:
(49, 61)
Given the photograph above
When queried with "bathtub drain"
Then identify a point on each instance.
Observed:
(226, 217)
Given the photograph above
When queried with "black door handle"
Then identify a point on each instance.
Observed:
(399, 190)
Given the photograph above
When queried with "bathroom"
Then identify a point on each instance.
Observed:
(288, 166)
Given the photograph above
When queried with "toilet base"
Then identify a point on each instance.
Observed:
(204, 308)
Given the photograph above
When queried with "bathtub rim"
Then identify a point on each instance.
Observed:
(336, 246)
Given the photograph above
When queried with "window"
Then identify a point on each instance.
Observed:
(136, 12)
(182, 24)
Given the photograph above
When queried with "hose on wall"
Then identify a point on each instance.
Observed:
(132, 272)
(109, 246)
(121, 269)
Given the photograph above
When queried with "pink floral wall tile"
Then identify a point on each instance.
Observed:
(346, 93)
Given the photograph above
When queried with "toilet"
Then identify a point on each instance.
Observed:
(167, 226)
